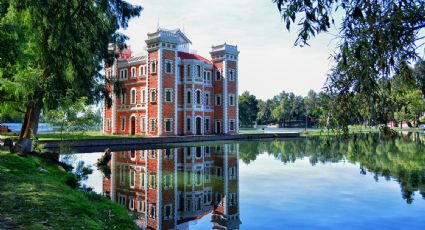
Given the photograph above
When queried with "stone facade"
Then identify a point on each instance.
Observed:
(170, 91)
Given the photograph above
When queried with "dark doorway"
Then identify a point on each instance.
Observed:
(198, 126)
(133, 126)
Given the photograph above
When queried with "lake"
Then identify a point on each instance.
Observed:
(363, 182)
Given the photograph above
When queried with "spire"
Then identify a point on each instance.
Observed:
(157, 24)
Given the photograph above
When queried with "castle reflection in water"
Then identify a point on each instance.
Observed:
(170, 187)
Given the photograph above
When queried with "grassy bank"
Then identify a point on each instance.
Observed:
(32, 198)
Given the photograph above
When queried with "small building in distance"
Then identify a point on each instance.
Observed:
(170, 91)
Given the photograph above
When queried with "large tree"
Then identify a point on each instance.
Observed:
(376, 39)
(53, 49)
(248, 108)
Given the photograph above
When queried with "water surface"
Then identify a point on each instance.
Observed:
(366, 182)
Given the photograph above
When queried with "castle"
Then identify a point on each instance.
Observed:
(170, 91)
(172, 188)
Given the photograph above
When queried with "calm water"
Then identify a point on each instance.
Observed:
(369, 182)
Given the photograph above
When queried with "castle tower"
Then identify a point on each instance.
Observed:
(162, 47)
(225, 61)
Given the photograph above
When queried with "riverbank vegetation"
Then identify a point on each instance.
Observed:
(35, 195)
(402, 103)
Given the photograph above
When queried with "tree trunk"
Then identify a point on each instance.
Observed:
(29, 126)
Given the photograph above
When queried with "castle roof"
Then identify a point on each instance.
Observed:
(184, 55)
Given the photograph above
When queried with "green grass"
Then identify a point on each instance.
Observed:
(31, 199)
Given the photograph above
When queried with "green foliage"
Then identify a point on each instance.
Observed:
(55, 50)
(73, 116)
(377, 40)
(248, 109)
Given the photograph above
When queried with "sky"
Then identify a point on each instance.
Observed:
(269, 63)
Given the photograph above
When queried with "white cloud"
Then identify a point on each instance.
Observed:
(268, 62)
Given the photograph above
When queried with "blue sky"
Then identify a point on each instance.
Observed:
(268, 61)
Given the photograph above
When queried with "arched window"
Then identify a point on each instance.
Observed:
(133, 72)
(198, 97)
(189, 97)
(133, 96)
(153, 95)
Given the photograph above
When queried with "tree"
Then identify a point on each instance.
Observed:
(54, 48)
(377, 39)
(264, 115)
(248, 108)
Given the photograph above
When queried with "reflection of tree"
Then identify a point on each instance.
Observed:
(402, 159)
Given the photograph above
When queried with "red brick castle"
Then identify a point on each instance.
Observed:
(170, 91)
(174, 187)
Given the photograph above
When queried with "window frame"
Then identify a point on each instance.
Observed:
(171, 124)
(168, 90)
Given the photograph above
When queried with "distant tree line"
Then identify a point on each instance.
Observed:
(401, 100)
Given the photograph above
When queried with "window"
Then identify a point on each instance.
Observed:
(198, 152)
(232, 200)
(168, 181)
(168, 95)
(143, 95)
(133, 155)
(188, 123)
(143, 179)
(232, 125)
(207, 99)
(122, 199)
(218, 100)
(123, 74)
(152, 180)
(123, 97)
(152, 211)
(231, 74)
(143, 124)
(132, 178)
(168, 66)
(142, 70)
(232, 100)
(133, 96)
(217, 75)
(122, 175)
(189, 97)
(168, 124)
(143, 154)
(207, 124)
(152, 153)
(198, 97)
(218, 171)
(153, 66)
(122, 123)
(168, 211)
(198, 71)
(153, 95)
(141, 207)
(188, 71)
(168, 153)
(205, 76)
(232, 173)
(133, 72)
(153, 125)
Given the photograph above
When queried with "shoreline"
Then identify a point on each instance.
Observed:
(117, 142)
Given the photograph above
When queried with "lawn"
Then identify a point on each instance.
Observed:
(32, 198)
